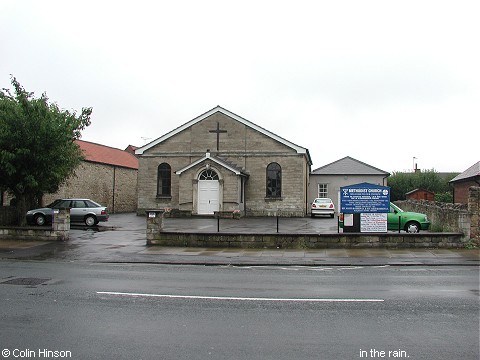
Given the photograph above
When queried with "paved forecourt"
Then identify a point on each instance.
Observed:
(123, 239)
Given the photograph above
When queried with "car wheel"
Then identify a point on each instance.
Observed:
(312, 215)
(40, 220)
(412, 227)
(90, 220)
(332, 215)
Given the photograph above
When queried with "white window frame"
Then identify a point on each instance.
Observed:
(322, 190)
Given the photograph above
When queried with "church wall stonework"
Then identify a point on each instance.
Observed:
(242, 148)
(147, 182)
(292, 201)
(238, 138)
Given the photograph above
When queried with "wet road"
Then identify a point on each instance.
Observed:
(143, 311)
(99, 295)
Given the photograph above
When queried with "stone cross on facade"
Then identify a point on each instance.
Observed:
(218, 131)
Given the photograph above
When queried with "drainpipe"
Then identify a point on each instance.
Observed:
(383, 180)
(450, 185)
(245, 196)
(113, 191)
(307, 179)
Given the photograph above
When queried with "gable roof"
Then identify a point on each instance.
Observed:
(233, 168)
(348, 166)
(419, 190)
(471, 172)
(107, 155)
(298, 149)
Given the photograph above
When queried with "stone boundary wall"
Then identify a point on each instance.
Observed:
(474, 208)
(443, 216)
(30, 233)
(59, 231)
(464, 218)
(306, 241)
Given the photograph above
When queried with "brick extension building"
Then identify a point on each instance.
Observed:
(220, 161)
(107, 176)
(462, 182)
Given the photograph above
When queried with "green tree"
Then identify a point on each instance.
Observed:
(37, 149)
(401, 183)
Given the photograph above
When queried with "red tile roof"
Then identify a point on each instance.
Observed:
(107, 155)
(131, 149)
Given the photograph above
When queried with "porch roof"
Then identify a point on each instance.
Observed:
(229, 166)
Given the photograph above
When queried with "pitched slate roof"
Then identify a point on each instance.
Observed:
(348, 166)
(471, 172)
(107, 155)
(298, 149)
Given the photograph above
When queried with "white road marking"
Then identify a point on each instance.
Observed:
(298, 267)
(116, 293)
(413, 270)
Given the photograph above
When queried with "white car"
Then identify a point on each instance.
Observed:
(323, 206)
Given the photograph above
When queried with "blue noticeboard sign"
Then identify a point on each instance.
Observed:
(364, 198)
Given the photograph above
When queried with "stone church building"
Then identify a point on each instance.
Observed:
(220, 161)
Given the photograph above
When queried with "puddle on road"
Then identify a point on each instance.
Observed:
(93, 228)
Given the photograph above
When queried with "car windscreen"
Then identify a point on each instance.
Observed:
(394, 208)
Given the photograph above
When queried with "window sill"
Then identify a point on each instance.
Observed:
(273, 198)
(164, 197)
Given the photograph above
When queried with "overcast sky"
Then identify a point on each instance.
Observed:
(380, 81)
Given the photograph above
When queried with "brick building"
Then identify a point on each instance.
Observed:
(220, 161)
(462, 183)
(107, 176)
(420, 194)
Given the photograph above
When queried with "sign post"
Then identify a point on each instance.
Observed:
(367, 204)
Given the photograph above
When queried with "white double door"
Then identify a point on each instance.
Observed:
(208, 196)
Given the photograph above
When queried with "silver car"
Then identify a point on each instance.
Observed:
(81, 210)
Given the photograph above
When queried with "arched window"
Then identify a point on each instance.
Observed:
(274, 180)
(164, 180)
(208, 174)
